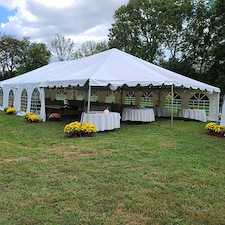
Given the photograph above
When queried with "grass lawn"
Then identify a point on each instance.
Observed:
(154, 173)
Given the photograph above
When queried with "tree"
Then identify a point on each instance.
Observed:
(20, 56)
(63, 47)
(215, 74)
(90, 48)
(11, 54)
(35, 56)
(145, 27)
(187, 37)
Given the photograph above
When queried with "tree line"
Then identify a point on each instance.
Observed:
(187, 37)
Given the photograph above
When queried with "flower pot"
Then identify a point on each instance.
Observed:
(74, 136)
(87, 135)
(219, 135)
(211, 132)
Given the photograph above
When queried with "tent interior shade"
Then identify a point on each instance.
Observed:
(111, 67)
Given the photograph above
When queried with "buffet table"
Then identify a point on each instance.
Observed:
(194, 114)
(161, 112)
(62, 110)
(102, 121)
(143, 115)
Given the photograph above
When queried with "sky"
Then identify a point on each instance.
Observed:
(42, 20)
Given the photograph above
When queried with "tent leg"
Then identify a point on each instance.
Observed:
(89, 103)
(172, 95)
(159, 100)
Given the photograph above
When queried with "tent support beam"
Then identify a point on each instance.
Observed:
(172, 95)
(89, 102)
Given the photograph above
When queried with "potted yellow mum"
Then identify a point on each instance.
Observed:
(87, 129)
(215, 129)
(77, 129)
(31, 117)
(219, 131)
(73, 129)
(10, 110)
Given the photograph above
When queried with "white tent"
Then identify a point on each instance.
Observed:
(112, 67)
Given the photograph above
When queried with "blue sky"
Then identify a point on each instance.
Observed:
(42, 20)
(4, 14)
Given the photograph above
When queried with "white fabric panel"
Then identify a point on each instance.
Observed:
(42, 98)
(6, 91)
(222, 121)
(102, 121)
(29, 94)
(17, 100)
(214, 100)
(142, 115)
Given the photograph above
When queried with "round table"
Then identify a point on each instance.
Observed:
(194, 114)
(161, 111)
(142, 115)
(102, 121)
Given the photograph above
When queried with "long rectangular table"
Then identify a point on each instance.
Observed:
(194, 114)
(62, 110)
(142, 115)
(102, 121)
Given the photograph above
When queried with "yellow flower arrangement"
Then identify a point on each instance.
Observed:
(7, 107)
(10, 110)
(210, 126)
(73, 128)
(31, 117)
(215, 128)
(34, 118)
(220, 129)
(79, 128)
(27, 115)
(88, 128)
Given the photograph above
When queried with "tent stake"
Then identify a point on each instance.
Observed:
(172, 103)
(88, 106)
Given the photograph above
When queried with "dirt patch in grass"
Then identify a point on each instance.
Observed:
(130, 217)
(74, 151)
(16, 159)
(88, 154)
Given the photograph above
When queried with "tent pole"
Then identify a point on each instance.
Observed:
(121, 100)
(172, 103)
(89, 103)
(159, 100)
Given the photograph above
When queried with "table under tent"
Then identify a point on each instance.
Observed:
(111, 79)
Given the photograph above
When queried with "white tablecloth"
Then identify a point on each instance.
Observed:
(103, 121)
(143, 115)
(194, 114)
(161, 112)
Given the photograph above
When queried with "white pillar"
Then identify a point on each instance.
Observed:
(42, 99)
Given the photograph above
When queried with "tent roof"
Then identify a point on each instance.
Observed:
(113, 67)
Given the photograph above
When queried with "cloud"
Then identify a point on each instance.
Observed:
(41, 20)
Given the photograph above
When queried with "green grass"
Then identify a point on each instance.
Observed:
(154, 173)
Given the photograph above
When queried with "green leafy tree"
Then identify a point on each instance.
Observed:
(90, 48)
(20, 56)
(35, 56)
(216, 73)
(11, 55)
(145, 27)
(63, 47)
